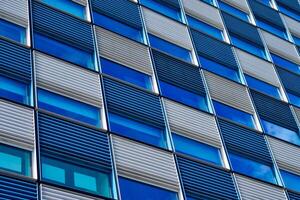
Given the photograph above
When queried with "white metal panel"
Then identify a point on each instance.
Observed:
(82, 2)
(167, 29)
(124, 51)
(192, 123)
(17, 125)
(144, 163)
(15, 11)
(293, 25)
(251, 189)
(67, 79)
(240, 4)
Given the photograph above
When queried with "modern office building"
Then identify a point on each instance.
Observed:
(149, 99)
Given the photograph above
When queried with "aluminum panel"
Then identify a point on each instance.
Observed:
(15, 11)
(240, 4)
(293, 25)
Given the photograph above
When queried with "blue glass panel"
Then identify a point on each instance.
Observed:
(197, 149)
(266, 2)
(285, 63)
(170, 48)
(234, 11)
(219, 69)
(291, 180)
(206, 28)
(12, 31)
(126, 74)
(76, 177)
(69, 107)
(136, 130)
(263, 87)
(134, 190)
(186, 97)
(288, 12)
(294, 99)
(234, 114)
(271, 28)
(67, 6)
(63, 51)
(296, 40)
(281, 132)
(210, 2)
(252, 168)
(14, 90)
(118, 27)
(15, 160)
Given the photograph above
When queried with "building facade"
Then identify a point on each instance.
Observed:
(149, 99)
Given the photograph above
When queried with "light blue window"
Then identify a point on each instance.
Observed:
(234, 114)
(281, 132)
(234, 11)
(12, 31)
(134, 190)
(252, 168)
(294, 99)
(219, 69)
(285, 63)
(126, 74)
(280, 32)
(63, 51)
(67, 6)
(77, 177)
(206, 28)
(69, 108)
(118, 27)
(183, 96)
(291, 180)
(296, 40)
(137, 130)
(197, 149)
(170, 48)
(14, 90)
(15, 160)
(289, 12)
(263, 87)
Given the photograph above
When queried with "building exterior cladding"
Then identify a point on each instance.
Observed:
(150, 99)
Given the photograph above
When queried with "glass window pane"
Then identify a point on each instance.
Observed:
(291, 180)
(53, 173)
(285, 63)
(12, 31)
(85, 181)
(271, 28)
(234, 11)
(294, 99)
(289, 12)
(296, 40)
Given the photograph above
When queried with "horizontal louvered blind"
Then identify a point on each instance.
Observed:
(297, 112)
(174, 3)
(290, 80)
(15, 11)
(292, 4)
(293, 25)
(241, 4)
(293, 195)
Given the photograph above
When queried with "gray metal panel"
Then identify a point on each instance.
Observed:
(124, 51)
(146, 164)
(67, 79)
(297, 111)
(251, 189)
(228, 92)
(240, 4)
(167, 29)
(17, 125)
(293, 25)
(286, 155)
(82, 2)
(192, 123)
(15, 11)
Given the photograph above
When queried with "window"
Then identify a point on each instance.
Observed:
(126, 74)
(234, 11)
(276, 30)
(183, 96)
(266, 2)
(137, 130)
(294, 99)
(170, 48)
(263, 87)
(289, 12)
(285, 63)
(291, 180)
(206, 28)
(134, 190)
(219, 69)
(118, 27)
(281, 132)
(252, 168)
(68, 6)
(296, 40)
(68, 107)
(209, 2)
(63, 51)
(12, 31)
(197, 149)
(76, 177)
(234, 114)
(15, 160)
(14, 90)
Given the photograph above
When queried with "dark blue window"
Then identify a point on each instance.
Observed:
(170, 48)
(209, 1)
(183, 96)
(126, 74)
(289, 12)
(118, 27)
(285, 63)
(197, 149)
(263, 87)
(206, 28)
(14, 90)
(234, 11)
(219, 69)
(69, 108)
(280, 32)
(281, 132)
(296, 40)
(63, 51)
(15, 160)
(291, 180)
(134, 190)
(12, 31)
(68, 6)
(266, 2)
(76, 177)
(294, 99)
(137, 130)
(234, 114)
(252, 168)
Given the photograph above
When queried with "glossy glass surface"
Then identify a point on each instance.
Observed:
(296, 40)
(294, 99)
(12, 31)
(234, 11)
(289, 12)
(271, 28)
(282, 62)
(291, 180)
